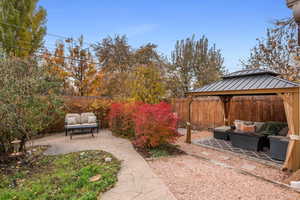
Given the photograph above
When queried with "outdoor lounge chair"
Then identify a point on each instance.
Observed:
(74, 121)
(278, 147)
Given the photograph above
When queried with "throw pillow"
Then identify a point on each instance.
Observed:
(71, 121)
(248, 128)
(284, 131)
(258, 126)
(238, 124)
(91, 119)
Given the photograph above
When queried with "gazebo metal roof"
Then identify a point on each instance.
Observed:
(245, 81)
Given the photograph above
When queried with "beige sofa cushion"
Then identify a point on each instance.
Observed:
(75, 118)
(85, 117)
(92, 119)
(71, 121)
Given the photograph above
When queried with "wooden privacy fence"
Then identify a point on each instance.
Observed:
(207, 112)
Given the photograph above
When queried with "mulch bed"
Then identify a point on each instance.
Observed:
(170, 150)
(10, 164)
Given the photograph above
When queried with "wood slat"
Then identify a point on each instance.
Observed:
(207, 112)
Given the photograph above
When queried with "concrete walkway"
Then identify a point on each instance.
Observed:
(136, 179)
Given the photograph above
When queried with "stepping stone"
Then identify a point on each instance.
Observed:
(205, 153)
(224, 157)
(220, 164)
(248, 167)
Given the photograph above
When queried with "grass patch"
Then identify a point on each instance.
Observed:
(60, 177)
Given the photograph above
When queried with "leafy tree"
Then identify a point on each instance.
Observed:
(29, 98)
(56, 63)
(147, 84)
(115, 57)
(119, 62)
(194, 64)
(22, 27)
(114, 54)
(277, 51)
(75, 65)
(147, 54)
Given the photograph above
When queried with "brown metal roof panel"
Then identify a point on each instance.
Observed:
(207, 87)
(265, 83)
(260, 80)
(202, 88)
(224, 85)
(280, 84)
(255, 81)
(250, 83)
(272, 83)
(288, 85)
(235, 83)
(217, 85)
(243, 84)
(292, 84)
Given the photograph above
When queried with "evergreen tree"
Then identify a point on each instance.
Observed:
(22, 27)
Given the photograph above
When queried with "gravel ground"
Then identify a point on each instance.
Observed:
(190, 178)
(268, 172)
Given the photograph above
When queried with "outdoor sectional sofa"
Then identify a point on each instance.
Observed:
(83, 121)
(270, 134)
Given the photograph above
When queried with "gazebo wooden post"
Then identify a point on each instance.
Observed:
(292, 110)
(226, 100)
(188, 123)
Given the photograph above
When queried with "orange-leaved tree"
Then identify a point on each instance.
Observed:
(75, 65)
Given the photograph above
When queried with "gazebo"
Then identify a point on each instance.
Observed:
(257, 82)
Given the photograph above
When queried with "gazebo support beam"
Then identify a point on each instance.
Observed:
(226, 100)
(292, 110)
(188, 123)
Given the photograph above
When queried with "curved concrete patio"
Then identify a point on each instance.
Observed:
(136, 179)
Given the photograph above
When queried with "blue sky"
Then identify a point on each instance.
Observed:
(233, 25)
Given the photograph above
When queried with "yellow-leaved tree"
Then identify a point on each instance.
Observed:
(147, 84)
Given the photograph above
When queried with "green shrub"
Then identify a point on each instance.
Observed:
(29, 100)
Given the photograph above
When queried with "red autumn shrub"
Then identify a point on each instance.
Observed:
(120, 119)
(155, 124)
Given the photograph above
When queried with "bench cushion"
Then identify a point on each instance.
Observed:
(79, 126)
(85, 117)
(72, 116)
(92, 119)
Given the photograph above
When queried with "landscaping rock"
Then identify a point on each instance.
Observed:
(224, 157)
(205, 153)
(248, 167)
(295, 184)
(108, 159)
(95, 178)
